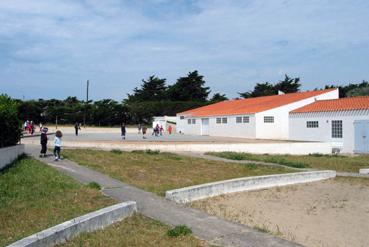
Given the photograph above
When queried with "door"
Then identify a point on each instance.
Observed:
(205, 126)
(361, 136)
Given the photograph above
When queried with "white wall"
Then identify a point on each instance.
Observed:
(280, 128)
(233, 129)
(230, 129)
(299, 131)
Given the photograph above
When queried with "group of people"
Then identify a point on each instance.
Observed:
(29, 127)
(57, 143)
(158, 130)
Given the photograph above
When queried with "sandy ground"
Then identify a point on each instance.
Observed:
(334, 212)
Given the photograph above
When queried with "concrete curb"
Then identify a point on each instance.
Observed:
(202, 191)
(9, 154)
(364, 171)
(89, 222)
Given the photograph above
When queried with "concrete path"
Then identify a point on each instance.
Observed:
(210, 228)
(351, 174)
(216, 158)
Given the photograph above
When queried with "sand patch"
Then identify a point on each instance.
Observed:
(333, 212)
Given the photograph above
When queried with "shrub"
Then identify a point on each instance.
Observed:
(10, 124)
(94, 185)
(147, 151)
(116, 151)
(179, 230)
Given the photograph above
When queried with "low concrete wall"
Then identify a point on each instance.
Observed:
(86, 223)
(294, 148)
(364, 171)
(192, 193)
(9, 154)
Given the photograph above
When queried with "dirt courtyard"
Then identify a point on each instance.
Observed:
(330, 213)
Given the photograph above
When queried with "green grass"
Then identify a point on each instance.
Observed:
(180, 230)
(164, 171)
(94, 185)
(317, 161)
(134, 231)
(34, 196)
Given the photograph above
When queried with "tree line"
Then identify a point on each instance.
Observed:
(154, 98)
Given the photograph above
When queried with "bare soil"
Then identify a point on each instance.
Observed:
(334, 212)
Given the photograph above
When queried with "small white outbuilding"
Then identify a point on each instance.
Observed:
(343, 122)
(164, 121)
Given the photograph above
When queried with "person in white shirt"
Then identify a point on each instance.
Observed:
(57, 144)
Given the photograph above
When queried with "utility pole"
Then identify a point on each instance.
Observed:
(84, 117)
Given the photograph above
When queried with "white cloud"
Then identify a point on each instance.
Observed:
(238, 43)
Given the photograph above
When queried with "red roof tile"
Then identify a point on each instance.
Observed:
(251, 105)
(344, 104)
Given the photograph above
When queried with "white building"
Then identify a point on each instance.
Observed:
(343, 122)
(262, 117)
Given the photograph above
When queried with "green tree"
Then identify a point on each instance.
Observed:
(288, 85)
(107, 112)
(351, 89)
(360, 91)
(218, 98)
(10, 125)
(189, 88)
(151, 90)
(260, 89)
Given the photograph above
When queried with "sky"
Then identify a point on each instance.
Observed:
(50, 48)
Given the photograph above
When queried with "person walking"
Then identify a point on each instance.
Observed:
(139, 127)
(43, 141)
(123, 131)
(170, 128)
(57, 144)
(161, 130)
(144, 129)
(76, 128)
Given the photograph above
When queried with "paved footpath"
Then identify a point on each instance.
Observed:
(210, 228)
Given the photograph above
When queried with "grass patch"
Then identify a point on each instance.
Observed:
(137, 230)
(164, 171)
(317, 161)
(146, 151)
(181, 230)
(34, 196)
(116, 151)
(94, 185)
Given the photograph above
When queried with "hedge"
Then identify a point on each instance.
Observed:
(10, 125)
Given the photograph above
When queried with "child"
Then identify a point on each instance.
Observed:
(144, 129)
(57, 144)
(123, 131)
(43, 142)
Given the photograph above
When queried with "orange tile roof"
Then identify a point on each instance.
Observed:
(251, 105)
(344, 104)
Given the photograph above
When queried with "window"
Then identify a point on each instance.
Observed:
(268, 119)
(181, 117)
(337, 129)
(312, 124)
(244, 119)
(193, 121)
(219, 120)
(224, 120)
(189, 121)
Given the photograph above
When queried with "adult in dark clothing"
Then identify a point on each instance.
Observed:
(43, 142)
(76, 127)
(123, 131)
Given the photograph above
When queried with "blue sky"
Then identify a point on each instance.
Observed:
(49, 48)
